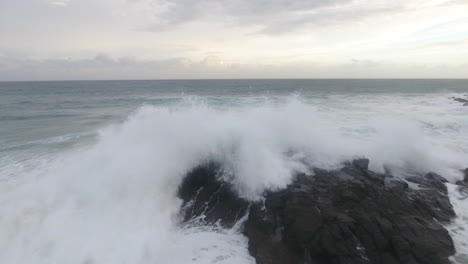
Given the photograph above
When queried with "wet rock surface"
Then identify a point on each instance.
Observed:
(350, 215)
(208, 197)
(461, 100)
(465, 179)
(463, 184)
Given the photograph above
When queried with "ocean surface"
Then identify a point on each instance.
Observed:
(89, 170)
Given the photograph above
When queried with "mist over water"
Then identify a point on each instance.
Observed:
(91, 175)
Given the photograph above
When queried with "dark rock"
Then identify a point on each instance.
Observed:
(430, 181)
(435, 177)
(205, 195)
(362, 164)
(360, 167)
(351, 215)
(265, 237)
(464, 182)
(396, 184)
(461, 100)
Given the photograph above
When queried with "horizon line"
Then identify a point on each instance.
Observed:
(223, 79)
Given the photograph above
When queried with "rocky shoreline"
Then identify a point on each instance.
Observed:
(351, 215)
(461, 100)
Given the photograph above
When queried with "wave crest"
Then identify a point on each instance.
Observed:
(115, 201)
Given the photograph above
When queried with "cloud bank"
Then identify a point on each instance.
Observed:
(104, 67)
(59, 39)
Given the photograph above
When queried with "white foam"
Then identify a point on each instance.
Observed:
(459, 227)
(115, 201)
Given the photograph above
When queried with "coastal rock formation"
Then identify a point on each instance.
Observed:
(209, 199)
(350, 215)
(461, 100)
(463, 184)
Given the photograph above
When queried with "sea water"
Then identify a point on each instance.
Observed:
(89, 170)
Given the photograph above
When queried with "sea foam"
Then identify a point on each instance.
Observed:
(114, 201)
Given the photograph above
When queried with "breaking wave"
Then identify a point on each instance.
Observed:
(114, 201)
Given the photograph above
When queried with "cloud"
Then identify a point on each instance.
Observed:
(335, 15)
(105, 67)
(227, 38)
(253, 12)
(280, 16)
(444, 44)
(60, 2)
(363, 63)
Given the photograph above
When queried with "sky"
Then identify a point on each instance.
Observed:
(199, 39)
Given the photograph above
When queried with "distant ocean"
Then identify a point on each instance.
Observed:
(89, 170)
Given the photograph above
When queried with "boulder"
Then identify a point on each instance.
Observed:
(461, 100)
(362, 164)
(351, 215)
(208, 199)
(464, 182)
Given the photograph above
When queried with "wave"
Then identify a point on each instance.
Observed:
(33, 117)
(48, 141)
(115, 201)
(458, 228)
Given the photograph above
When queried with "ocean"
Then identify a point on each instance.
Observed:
(89, 170)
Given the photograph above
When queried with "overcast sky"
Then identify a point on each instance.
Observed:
(173, 39)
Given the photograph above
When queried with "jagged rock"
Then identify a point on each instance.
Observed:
(435, 177)
(461, 100)
(361, 220)
(362, 164)
(206, 195)
(396, 184)
(351, 215)
(463, 184)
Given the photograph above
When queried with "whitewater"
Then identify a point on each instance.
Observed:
(98, 182)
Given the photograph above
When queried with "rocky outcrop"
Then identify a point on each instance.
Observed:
(209, 199)
(465, 179)
(461, 100)
(463, 184)
(351, 215)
